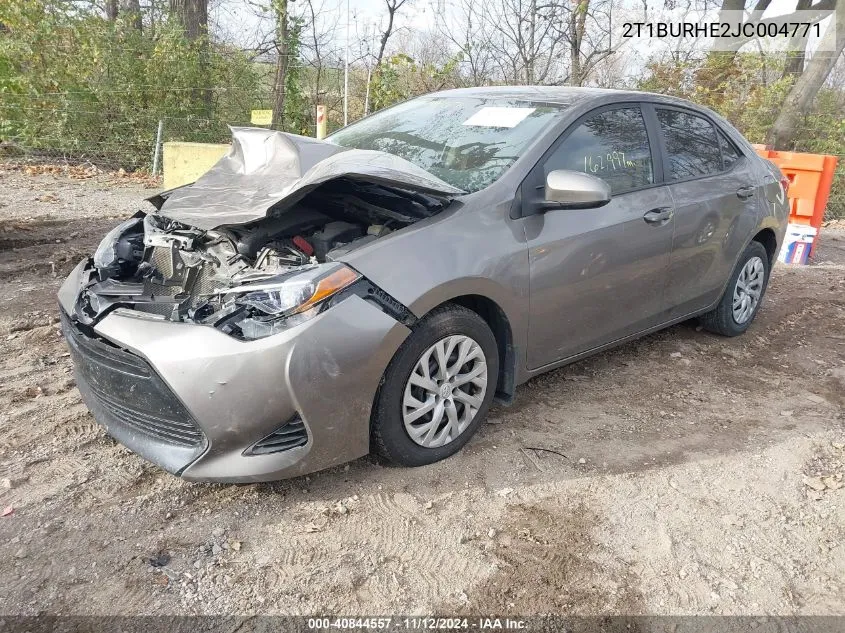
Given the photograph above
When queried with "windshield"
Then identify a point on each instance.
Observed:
(468, 142)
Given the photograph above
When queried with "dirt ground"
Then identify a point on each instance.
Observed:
(680, 474)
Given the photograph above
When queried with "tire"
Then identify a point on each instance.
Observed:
(722, 320)
(449, 325)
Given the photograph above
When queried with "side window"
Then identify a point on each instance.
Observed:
(612, 145)
(730, 154)
(691, 145)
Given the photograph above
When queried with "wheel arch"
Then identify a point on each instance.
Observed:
(497, 320)
(769, 240)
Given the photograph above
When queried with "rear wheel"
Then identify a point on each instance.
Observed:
(437, 389)
(743, 295)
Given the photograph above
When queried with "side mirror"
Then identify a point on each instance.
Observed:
(575, 190)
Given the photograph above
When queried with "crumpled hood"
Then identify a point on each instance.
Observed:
(265, 167)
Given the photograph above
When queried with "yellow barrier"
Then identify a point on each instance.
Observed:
(185, 162)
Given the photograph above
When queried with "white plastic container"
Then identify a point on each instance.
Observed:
(797, 243)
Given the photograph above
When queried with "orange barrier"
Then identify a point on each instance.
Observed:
(810, 178)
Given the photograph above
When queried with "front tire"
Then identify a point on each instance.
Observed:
(743, 295)
(437, 389)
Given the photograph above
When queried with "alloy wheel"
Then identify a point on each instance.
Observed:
(748, 289)
(444, 391)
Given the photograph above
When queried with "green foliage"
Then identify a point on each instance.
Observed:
(297, 105)
(400, 77)
(385, 88)
(76, 84)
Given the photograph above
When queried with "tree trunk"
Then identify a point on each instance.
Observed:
(131, 9)
(281, 10)
(192, 15)
(385, 36)
(111, 10)
(783, 133)
(577, 24)
(392, 7)
(794, 64)
(532, 43)
(574, 57)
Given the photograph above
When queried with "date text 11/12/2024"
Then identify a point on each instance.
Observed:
(417, 623)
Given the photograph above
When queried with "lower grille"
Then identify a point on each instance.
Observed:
(127, 393)
(291, 435)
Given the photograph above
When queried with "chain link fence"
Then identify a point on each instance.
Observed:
(54, 132)
(60, 129)
(835, 209)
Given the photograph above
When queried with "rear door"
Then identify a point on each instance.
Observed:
(598, 275)
(714, 192)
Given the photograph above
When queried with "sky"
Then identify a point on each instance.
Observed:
(241, 22)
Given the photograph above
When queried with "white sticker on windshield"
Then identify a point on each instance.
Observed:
(498, 117)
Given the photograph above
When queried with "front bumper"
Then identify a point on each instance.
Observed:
(325, 371)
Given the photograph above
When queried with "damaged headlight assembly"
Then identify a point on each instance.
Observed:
(257, 310)
(116, 247)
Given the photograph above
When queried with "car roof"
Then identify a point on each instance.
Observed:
(560, 95)
(581, 98)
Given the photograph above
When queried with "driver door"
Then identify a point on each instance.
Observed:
(598, 275)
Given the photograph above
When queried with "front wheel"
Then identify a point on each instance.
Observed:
(437, 389)
(743, 295)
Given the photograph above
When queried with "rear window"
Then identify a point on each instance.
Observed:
(692, 148)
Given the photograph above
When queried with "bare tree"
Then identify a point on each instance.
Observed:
(784, 131)
(526, 41)
(392, 7)
(589, 37)
(721, 61)
(434, 62)
(551, 41)
(320, 49)
(468, 30)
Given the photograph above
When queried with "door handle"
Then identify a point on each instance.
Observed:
(743, 193)
(658, 216)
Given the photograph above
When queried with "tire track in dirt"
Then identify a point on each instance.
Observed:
(546, 562)
(637, 527)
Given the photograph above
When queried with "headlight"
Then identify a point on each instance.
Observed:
(107, 256)
(275, 304)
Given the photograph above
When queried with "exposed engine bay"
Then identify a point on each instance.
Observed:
(250, 280)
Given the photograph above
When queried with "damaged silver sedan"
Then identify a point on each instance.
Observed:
(306, 302)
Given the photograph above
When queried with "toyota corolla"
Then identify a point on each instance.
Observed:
(306, 302)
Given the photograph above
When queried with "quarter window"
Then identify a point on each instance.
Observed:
(691, 145)
(612, 145)
(729, 152)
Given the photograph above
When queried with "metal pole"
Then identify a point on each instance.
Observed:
(346, 73)
(157, 151)
(367, 94)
